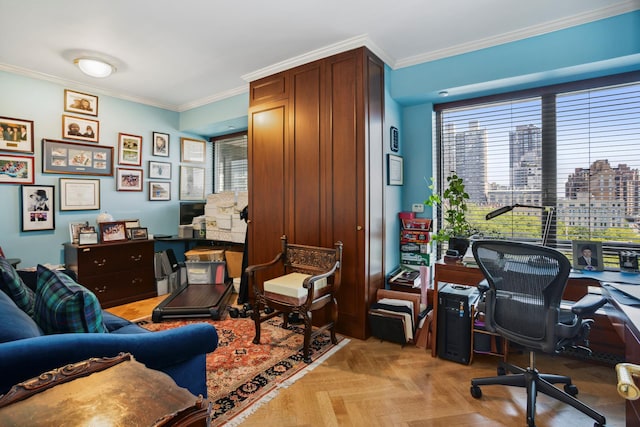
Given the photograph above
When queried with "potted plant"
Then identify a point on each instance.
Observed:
(455, 229)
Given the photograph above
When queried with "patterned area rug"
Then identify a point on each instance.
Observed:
(241, 376)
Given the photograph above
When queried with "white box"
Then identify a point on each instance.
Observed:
(205, 272)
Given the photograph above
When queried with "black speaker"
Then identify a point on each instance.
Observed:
(454, 321)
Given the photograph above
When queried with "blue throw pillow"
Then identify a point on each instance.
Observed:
(12, 285)
(62, 305)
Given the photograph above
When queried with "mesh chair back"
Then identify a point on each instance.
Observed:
(526, 286)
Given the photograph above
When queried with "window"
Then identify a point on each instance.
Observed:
(230, 162)
(572, 150)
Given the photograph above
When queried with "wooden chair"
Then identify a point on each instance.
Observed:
(304, 279)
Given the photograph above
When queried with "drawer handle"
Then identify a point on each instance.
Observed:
(101, 290)
(137, 281)
(100, 263)
(136, 257)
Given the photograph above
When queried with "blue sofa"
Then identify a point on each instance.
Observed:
(25, 352)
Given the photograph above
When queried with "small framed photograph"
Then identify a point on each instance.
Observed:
(129, 149)
(79, 194)
(394, 169)
(192, 150)
(129, 179)
(16, 135)
(159, 190)
(75, 229)
(191, 183)
(88, 238)
(160, 144)
(587, 255)
(16, 170)
(78, 102)
(159, 170)
(114, 231)
(37, 207)
(131, 223)
(80, 128)
(139, 233)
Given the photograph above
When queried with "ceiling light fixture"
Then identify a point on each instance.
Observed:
(94, 67)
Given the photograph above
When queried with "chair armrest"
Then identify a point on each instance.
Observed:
(253, 268)
(313, 279)
(28, 358)
(588, 304)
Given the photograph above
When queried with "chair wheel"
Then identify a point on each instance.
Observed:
(501, 370)
(571, 389)
(476, 392)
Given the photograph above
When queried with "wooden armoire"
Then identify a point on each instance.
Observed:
(316, 170)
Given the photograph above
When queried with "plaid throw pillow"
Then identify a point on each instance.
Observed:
(12, 285)
(62, 305)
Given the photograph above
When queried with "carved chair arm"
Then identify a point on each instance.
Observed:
(250, 270)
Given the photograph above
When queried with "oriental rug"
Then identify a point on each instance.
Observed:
(241, 376)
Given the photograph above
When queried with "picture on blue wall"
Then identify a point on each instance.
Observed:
(16, 135)
(76, 158)
(37, 207)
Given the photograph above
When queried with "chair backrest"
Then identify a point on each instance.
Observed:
(526, 283)
(310, 259)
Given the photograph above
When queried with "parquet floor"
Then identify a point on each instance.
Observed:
(374, 383)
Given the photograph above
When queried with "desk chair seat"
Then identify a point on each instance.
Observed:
(522, 304)
(299, 280)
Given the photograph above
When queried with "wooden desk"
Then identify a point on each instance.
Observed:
(603, 337)
(626, 322)
(115, 391)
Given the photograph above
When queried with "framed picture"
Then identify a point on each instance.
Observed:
(80, 128)
(37, 207)
(75, 158)
(79, 194)
(159, 170)
(129, 179)
(139, 233)
(88, 238)
(131, 223)
(394, 169)
(159, 190)
(161, 144)
(129, 149)
(114, 231)
(191, 183)
(16, 170)
(587, 255)
(75, 229)
(192, 150)
(78, 102)
(17, 135)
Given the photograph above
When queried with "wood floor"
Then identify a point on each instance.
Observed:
(374, 383)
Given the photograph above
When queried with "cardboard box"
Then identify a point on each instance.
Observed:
(234, 263)
(416, 224)
(414, 236)
(204, 254)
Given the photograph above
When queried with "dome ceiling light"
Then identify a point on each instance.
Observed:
(94, 67)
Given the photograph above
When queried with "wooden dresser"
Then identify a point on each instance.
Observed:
(118, 273)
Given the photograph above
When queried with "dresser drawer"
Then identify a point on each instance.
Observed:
(120, 287)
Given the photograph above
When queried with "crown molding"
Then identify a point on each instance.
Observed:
(523, 33)
(213, 98)
(342, 46)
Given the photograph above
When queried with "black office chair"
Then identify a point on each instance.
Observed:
(522, 304)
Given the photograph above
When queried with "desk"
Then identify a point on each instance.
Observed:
(603, 337)
(626, 321)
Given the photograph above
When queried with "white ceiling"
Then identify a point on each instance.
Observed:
(180, 54)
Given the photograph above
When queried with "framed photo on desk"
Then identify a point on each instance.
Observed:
(587, 255)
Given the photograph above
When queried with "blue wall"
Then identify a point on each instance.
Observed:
(42, 102)
(603, 47)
